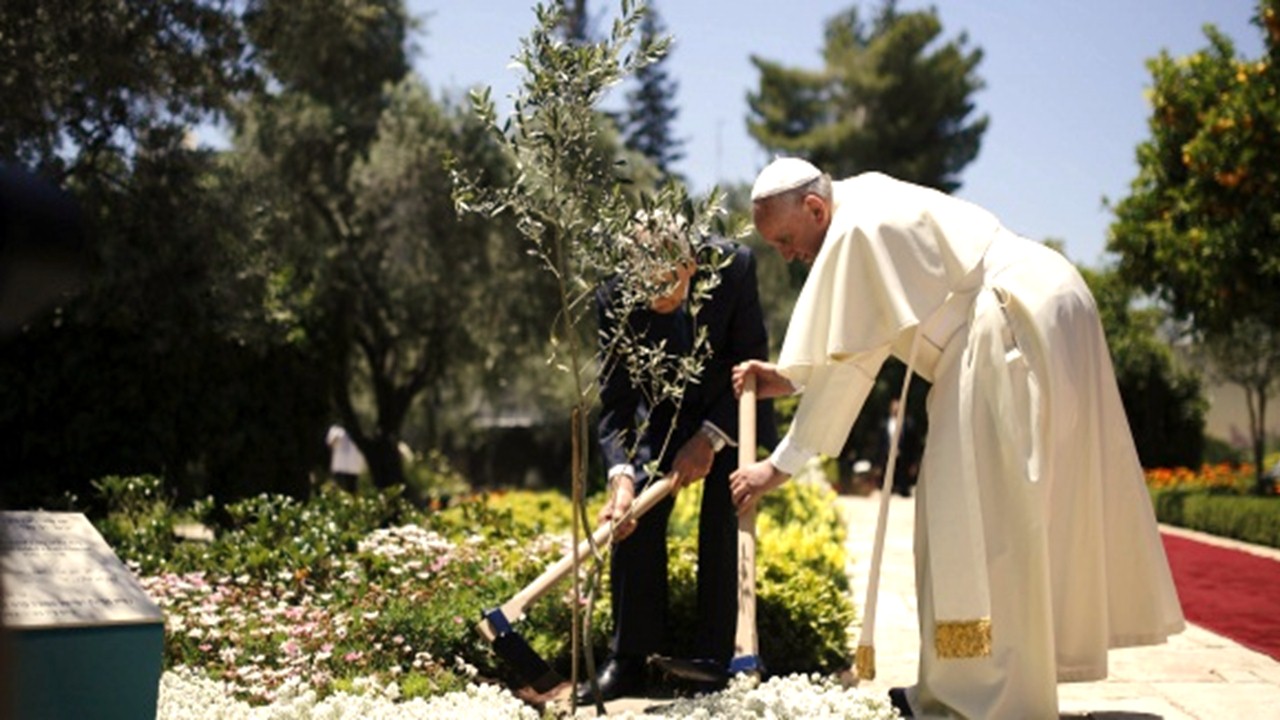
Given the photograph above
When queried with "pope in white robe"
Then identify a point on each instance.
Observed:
(1036, 545)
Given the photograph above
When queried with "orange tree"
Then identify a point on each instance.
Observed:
(1198, 229)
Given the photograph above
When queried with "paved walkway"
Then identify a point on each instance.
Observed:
(1197, 675)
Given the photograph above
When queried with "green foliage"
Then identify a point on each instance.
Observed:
(892, 97)
(507, 513)
(372, 265)
(1161, 394)
(1199, 224)
(803, 604)
(343, 587)
(83, 82)
(341, 54)
(1217, 450)
(140, 520)
(1248, 356)
(271, 534)
(261, 537)
(586, 217)
(167, 361)
(1249, 519)
(1198, 227)
(647, 121)
(430, 478)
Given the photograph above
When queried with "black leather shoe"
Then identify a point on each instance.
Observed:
(620, 676)
(898, 698)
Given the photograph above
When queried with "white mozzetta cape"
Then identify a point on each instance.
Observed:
(1033, 520)
(888, 263)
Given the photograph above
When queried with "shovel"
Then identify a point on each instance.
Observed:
(746, 658)
(496, 623)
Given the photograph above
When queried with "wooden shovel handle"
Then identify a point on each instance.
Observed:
(745, 640)
(747, 422)
(514, 607)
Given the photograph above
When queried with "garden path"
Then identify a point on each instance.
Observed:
(1197, 675)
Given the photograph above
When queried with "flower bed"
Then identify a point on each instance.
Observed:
(1222, 477)
(188, 695)
(1217, 499)
(342, 602)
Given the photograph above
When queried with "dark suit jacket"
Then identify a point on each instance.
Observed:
(734, 322)
(638, 566)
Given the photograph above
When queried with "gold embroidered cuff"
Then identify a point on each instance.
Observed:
(962, 639)
(864, 661)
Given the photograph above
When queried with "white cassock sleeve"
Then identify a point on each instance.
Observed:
(833, 396)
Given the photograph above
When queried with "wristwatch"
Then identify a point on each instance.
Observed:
(716, 439)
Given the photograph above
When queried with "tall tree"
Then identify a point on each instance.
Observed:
(1199, 226)
(575, 24)
(329, 65)
(1249, 358)
(383, 277)
(586, 220)
(650, 112)
(892, 97)
(83, 82)
(425, 319)
(165, 362)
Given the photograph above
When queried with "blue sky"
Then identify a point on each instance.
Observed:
(1065, 84)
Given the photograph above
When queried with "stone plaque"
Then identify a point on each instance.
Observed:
(59, 572)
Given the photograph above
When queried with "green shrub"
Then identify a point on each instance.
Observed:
(1241, 517)
(803, 608)
(342, 587)
(268, 535)
(430, 478)
(139, 521)
(1217, 450)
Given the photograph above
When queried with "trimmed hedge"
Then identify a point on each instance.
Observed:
(1246, 518)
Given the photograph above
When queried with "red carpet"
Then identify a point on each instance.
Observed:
(1230, 592)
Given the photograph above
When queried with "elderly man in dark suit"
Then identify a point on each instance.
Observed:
(688, 441)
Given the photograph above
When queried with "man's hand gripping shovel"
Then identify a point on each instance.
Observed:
(496, 625)
(746, 650)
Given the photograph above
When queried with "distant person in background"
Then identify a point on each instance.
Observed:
(345, 461)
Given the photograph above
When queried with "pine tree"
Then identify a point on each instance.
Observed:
(575, 23)
(650, 113)
(891, 97)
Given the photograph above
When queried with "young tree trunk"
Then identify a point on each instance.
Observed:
(1262, 485)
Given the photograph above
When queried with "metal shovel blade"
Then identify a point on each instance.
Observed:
(512, 647)
(696, 669)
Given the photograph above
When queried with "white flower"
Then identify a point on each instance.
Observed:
(793, 696)
(185, 694)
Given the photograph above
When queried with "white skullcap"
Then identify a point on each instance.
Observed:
(781, 175)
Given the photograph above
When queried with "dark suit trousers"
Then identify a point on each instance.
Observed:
(639, 575)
